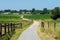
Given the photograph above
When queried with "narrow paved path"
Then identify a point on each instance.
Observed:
(30, 33)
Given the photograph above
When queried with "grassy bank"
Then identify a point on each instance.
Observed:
(51, 32)
(43, 36)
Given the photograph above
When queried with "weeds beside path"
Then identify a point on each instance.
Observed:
(43, 35)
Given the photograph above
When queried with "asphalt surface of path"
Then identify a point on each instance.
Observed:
(30, 33)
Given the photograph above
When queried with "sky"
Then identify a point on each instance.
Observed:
(28, 4)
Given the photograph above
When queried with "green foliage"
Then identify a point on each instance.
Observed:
(33, 11)
(56, 13)
(38, 16)
(9, 17)
(45, 11)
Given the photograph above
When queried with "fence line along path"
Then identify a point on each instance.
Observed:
(30, 33)
(8, 28)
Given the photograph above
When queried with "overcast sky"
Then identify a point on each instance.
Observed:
(28, 4)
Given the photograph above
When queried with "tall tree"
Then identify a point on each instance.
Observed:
(56, 13)
(45, 11)
(33, 11)
(1, 11)
(20, 11)
(14, 11)
(8, 10)
(25, 11)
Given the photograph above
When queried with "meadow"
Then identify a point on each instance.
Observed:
(38, 16)
(9, 18)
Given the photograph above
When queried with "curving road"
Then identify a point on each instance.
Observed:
(30, 33)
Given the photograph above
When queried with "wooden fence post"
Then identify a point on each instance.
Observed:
(54, 25)
(42, 24)
(8, 27)
(0, 31)
(48, 24)
(20, 25)
(14, 27)
(5, 28)
(11, 26)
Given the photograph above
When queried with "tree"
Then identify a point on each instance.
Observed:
(20, 11)
(45, 11)
(25, 11)
(33, 11)
(14, 11)
(1, 11)
(56, 13)
(8, 10)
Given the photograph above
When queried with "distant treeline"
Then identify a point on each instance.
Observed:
(55, 12)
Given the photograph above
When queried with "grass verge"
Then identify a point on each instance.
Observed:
(43, 35)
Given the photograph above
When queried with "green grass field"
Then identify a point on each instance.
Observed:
(38, 16)
(9, 18)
